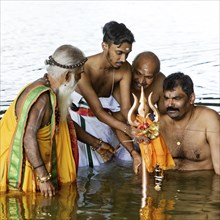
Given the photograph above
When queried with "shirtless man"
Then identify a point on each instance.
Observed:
(146, 73)
(191, 132)
(109, 74)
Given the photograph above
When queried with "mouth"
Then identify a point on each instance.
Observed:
(138, 85)
(172, 111)
(118, 64)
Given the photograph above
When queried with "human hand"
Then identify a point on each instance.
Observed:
(136, 161)
(47, 188)
(106, 151)
(137, 135)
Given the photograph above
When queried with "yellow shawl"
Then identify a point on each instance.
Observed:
(65, 165)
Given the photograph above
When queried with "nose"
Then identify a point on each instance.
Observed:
(170, 102)
(142, 80)
(123, 58)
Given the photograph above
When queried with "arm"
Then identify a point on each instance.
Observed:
(105, 150)
(87, 91)
(125, 91)
(31, 147)
(126, 141)
(212, 134)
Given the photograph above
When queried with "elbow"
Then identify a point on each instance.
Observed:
(29, 140)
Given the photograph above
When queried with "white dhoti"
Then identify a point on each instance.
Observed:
(88, 157)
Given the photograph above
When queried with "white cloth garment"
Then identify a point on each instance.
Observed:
(88, 157)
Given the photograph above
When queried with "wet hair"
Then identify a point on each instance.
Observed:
(148, 55)
(178, 79)
(116, 33)
(65, 57)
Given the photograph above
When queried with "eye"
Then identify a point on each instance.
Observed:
(118, 52)
(177, 98)
(149, 77)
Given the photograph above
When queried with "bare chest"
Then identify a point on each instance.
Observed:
(104, 84)
(188, 144)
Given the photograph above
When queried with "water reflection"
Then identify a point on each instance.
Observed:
(110, 191)
(113, 192)
(185, 195)
(18, 205)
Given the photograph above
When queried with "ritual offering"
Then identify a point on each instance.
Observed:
(155, 154)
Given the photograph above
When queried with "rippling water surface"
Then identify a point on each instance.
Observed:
(184, 35)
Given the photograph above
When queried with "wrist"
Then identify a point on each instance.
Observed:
(44, 179)
(132, 151)
(41, 165)
(98, 145)
(126, 130)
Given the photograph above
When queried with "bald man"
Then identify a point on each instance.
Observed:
(146, 73)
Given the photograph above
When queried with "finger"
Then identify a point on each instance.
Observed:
(135, 169)
(105, 158)
(111, 150)
(54, 192)
(50, 193)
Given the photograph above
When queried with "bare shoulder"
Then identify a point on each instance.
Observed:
(41, 103)
(126, 67)
(160, 76)
(44, 96)
(204, 112)
(158, 81)
(92, 64)
(205, 118)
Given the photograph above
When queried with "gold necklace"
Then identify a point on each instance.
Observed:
(180, 140)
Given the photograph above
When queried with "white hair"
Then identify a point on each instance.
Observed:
(64, 55)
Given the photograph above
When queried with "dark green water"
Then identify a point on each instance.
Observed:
(113, 192)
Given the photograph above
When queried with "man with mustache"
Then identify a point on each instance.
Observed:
(35, 146)
(106, 80)
(191, 132)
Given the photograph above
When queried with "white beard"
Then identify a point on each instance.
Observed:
(64, 98)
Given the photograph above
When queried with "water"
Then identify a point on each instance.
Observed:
(112, 192)
(184, 35)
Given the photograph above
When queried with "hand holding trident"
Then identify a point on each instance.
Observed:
(155, 154)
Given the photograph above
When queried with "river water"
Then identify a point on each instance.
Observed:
(184, 35)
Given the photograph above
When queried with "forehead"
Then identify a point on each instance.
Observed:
(124, 47)
(145, 67)
(176, 91)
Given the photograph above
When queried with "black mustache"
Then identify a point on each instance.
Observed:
(172, 109)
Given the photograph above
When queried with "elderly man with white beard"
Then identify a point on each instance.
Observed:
(35, 146)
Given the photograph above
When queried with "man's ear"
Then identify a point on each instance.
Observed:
(68, 76)
(104, 46)
(192, 98)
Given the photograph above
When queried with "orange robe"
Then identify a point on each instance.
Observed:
(16, 171)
